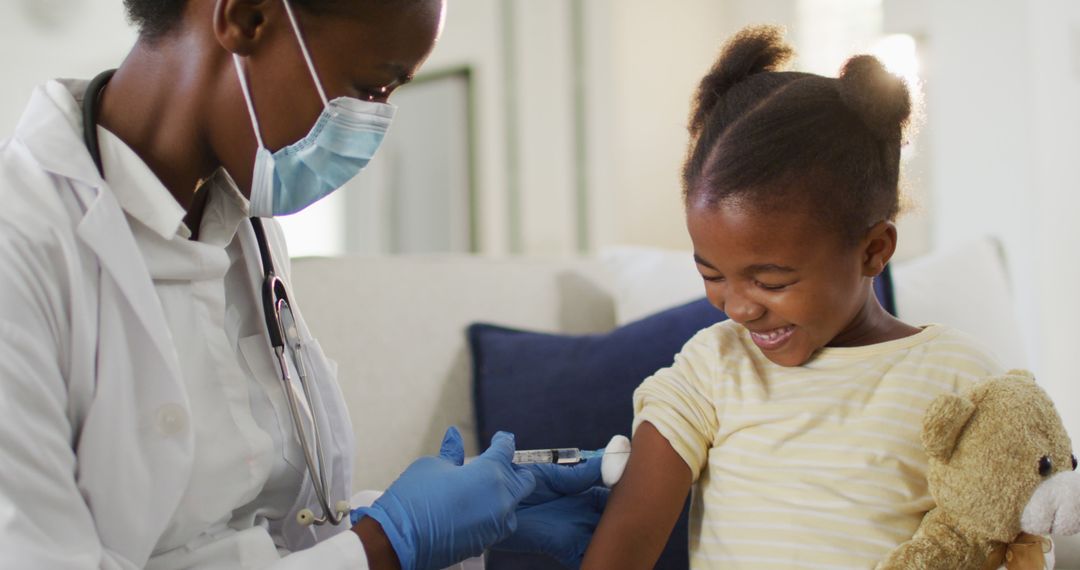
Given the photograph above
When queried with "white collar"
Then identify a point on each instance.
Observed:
(142, 195)
(138, 190)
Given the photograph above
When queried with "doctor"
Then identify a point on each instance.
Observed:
(161, 402)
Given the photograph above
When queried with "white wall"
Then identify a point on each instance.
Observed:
(520, 55)
(1054, 28)
(641, 81)
(640, 67)
(1003, 93)
(472, 37)
(42, 39)
(639, 71)
(543, 68)
(645, 65)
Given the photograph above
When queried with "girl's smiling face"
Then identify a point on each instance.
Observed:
(795, 285)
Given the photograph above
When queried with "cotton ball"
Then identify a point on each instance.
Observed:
(616, 454)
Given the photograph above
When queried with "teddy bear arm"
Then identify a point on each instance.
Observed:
(935, 546)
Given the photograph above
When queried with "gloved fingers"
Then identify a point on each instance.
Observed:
(501, 449)
(554, 481)
(443, 511)
(524, 484)
(511, 527)
(520, 482)
(453, 447)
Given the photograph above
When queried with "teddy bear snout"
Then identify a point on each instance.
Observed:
(1054, 507)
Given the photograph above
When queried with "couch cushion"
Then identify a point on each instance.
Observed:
(966, 287)
(646, 280)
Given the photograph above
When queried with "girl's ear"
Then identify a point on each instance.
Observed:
(878, 247)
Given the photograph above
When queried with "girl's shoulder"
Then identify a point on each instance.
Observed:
(933, 347)
(962, 350)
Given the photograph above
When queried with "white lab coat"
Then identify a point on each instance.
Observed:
(96, 450)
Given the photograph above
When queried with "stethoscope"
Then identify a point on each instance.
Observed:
(281, 326)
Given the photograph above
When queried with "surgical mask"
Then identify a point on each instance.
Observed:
(339, 145)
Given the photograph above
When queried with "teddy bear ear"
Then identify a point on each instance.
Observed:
(942, 424)
(1021, 374)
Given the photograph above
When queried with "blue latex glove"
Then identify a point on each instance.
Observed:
(555, 481)
(560, 528)
(560, 516)
(440, 512)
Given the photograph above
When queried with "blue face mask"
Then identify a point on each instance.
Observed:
(339, 145)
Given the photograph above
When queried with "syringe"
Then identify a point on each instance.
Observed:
(560, 456)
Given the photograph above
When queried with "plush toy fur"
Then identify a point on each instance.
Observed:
(988, 475)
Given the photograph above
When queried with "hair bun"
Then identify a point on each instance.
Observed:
(753, 50)
(878, 97)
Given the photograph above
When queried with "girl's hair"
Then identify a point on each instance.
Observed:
(773, 138)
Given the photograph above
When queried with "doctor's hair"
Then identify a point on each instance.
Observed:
(155, 19)
(771, 138)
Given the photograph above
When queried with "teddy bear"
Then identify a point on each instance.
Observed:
(1003, 476)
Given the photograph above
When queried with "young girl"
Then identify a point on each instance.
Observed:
(797, 421)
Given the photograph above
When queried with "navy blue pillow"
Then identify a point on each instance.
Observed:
(555, 390)
(572, 391)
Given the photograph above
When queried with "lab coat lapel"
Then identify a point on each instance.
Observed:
(52, 131)
(50, 127)
(104, 229)
(151, 378)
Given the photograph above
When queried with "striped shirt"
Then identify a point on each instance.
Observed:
(814, 466)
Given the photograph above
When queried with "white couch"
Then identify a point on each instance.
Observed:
(395, 325)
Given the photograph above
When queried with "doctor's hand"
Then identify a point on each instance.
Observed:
(555, 481)
(560, 516)
(440, 512)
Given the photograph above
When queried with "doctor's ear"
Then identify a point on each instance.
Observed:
(240, 25)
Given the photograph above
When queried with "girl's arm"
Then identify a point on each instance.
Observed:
(643, 507)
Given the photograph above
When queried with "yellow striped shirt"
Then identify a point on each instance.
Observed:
(813, 466)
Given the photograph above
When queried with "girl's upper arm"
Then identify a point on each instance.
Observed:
(643, 507)
(681, 402)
